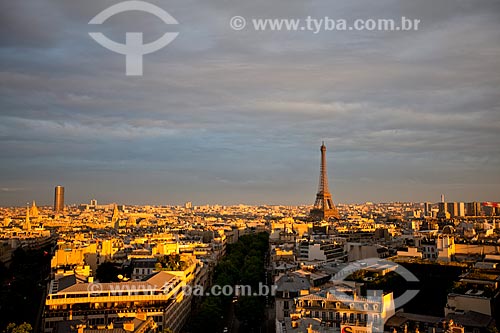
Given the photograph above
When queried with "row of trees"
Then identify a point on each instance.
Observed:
(110, 271)
(13, 328)
(171, 262)
(243, 265)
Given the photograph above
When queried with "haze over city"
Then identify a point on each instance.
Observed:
(228, 117)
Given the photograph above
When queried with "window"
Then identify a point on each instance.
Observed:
(286, 305)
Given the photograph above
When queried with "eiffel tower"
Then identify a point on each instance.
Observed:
(323, 206)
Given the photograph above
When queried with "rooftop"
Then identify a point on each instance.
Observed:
(155, 282)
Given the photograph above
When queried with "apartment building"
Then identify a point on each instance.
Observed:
(162, 297)
(342, 306)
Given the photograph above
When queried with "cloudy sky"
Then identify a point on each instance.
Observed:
(223, 116)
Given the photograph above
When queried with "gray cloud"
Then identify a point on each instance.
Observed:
(225, 116)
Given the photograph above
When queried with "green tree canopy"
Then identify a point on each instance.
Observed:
(22, 328)
(108, 272)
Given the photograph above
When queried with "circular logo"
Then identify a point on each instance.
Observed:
(94, 288)
(238, 23)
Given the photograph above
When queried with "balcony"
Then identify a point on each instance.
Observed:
(104, 312)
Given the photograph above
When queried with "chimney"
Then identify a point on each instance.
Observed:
(129, 326)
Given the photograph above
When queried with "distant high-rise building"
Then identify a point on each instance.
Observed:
(427, 209)
(452, 208)
(461, 209)
(93, 203)
(473, 209)
(491, 208)
(442, 197)
(443, 211)
(59, 199)
(323, 206)
(188, 205)
(489, 211)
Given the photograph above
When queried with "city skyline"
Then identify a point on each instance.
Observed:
(199, 200)
(92, 201)
(228, 117)
(190, 166)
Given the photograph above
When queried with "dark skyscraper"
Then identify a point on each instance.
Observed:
(59, 199)
(323, 206)
(473, 208)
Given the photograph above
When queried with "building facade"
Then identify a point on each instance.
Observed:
(164, 297)
(59, 199)
(341, 306)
